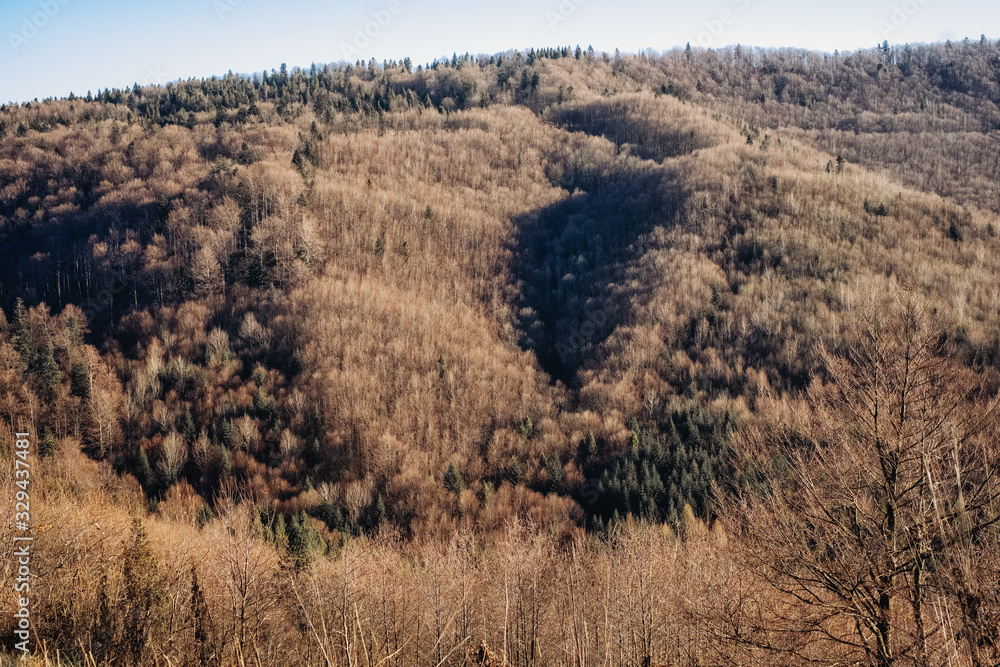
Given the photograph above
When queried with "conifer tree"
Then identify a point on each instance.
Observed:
(453, 481)
(48, 371)
(74, 331)
(79, 380)
(23, 340)
(47, 444)
(280, 534)
(200, 618)
(144, 603)
(144, 472)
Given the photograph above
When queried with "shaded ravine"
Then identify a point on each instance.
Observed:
(571, 259)
(574, 261)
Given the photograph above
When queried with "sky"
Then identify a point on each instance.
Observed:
(54, 47)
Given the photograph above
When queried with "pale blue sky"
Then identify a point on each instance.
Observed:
(52, 47)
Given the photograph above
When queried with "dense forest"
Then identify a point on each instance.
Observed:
(541, 358)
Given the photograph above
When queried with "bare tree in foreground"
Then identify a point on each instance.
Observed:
(875, 517)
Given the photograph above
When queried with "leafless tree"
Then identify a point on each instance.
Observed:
(875, 500)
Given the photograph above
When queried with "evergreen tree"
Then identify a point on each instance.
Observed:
(223, 467)
(204, 516)
(587, 448)
(74, 331)
(304, 541)
(376, 517)
(258, 528)
(145, 599)
(453, 481)
(200, 619)
(79, 380)
(187, 427)
(48, 371)
(331, 515)
(144, 472)
(47, 445)
(526, 428)
(557, 476)
(280, 534)
(23, 339)
(514, 472)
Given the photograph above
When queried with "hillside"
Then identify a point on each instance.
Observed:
(524, 329)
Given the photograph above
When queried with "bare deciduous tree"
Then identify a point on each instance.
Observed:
(875, 498)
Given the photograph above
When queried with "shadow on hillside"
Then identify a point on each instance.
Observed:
(572, 260)
(51, 259)
(618, 122)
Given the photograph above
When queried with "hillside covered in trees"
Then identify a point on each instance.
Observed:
(563, 357)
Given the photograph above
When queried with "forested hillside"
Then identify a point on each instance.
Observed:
(570, 358)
